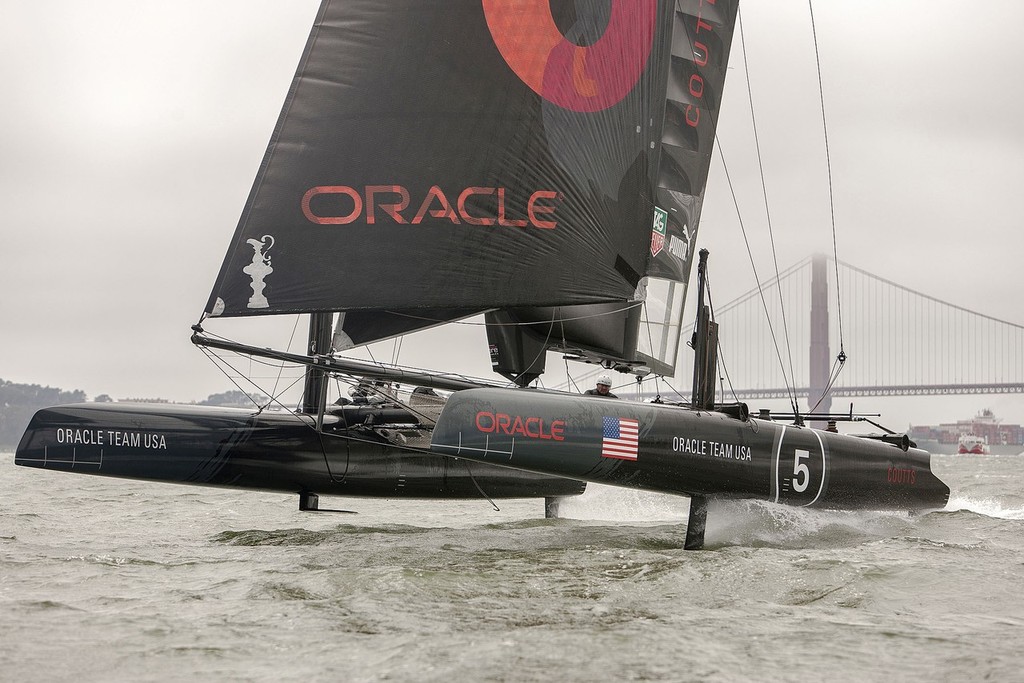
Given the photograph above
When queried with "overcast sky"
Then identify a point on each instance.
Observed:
(131, 131)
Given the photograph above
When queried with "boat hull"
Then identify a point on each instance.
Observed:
(269, 451)
(677, 450)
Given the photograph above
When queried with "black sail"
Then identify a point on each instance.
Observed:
(644, 330)
(457, 156)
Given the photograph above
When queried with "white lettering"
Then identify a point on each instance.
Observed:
(714, 449)
(801, 473)
(137, 440)
(83, 437)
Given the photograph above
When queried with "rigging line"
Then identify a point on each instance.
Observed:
(470, 472)
(448, 375)
(828, 165)
(374, 442)
(647, 324)
(312, 425)
(837, 367)
(711, 315)
(544, 345)
(726, 378)
(214, 358)
(682, 398)
(369, 352)
(398, 349)
(569, 381)
(219, 361)
(388, 399)
(280, 371)
(256, 361)
(470, 323)
(720, 356)
(764, 193)
(753, 266)
(327, 461)
(776, 281)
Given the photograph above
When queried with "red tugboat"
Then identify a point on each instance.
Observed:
(971, 444)
(983, 434)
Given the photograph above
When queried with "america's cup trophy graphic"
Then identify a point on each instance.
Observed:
(259, 269)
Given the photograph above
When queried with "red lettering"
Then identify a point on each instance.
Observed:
(695, 119)
(445, 211)
(698, 89)
(390, 209)
(435, 203)
(473, 220)
(307, 211)
(488, 424)
(901, 476)
(700, 53)
(517, 427)
(502, 221)
(532, 209)
(701, 24)
(529, 427)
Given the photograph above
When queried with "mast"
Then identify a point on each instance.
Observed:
(705, 345)
(314, 393)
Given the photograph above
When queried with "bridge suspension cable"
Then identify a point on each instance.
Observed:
(908, 342)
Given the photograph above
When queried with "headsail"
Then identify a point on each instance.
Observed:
(644, 329)
(455, 157)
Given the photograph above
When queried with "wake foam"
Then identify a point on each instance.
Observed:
(985, 506)
(760, 523)
(739, 522)
(613, 504)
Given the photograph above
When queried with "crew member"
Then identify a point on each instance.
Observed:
(367, 392)
(603, 388)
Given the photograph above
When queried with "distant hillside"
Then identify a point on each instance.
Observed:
(18, 402)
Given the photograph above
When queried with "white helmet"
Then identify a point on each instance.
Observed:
(605, 380)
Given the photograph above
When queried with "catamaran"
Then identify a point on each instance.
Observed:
(540, 163)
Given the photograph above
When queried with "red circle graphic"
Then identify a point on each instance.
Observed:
(578, 78)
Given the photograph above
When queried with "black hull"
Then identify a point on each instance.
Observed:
(677, 450)
(269, 451)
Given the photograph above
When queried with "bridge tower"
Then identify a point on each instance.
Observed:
(820, 356)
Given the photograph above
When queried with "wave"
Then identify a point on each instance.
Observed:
(761, 523)
(988, 507)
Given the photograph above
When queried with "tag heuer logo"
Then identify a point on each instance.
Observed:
(658, 231)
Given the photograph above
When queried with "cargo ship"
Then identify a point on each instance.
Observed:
(983, 434)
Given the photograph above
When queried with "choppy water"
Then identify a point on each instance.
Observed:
(110, 580)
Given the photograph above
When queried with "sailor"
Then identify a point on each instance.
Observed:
(603, 388)
(367, 393)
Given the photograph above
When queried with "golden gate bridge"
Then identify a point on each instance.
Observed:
(901, 342)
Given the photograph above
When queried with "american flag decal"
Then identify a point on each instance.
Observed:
(620, 438)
